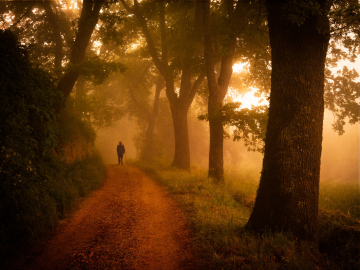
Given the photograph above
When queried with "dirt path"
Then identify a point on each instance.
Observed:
(129, 223)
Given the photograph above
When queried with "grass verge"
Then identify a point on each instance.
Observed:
(217, 215)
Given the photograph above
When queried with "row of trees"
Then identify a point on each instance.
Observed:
(181, 45)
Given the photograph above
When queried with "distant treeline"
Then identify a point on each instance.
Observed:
(46, 156)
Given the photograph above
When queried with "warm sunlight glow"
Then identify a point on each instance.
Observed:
(97, 46)
(238, 67)
(247, 99)
(72, 4)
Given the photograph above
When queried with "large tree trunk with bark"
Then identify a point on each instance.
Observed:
(287, 198)
(88, 20)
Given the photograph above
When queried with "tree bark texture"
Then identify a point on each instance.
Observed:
(88, 20)
(217, 92)
(287, 197)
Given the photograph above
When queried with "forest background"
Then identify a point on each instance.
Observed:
(143, 73)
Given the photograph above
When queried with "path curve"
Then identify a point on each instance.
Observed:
(129, 223)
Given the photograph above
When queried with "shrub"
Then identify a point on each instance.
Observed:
(37, 186)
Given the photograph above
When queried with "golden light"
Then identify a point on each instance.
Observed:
(247, 99)
(238, 67)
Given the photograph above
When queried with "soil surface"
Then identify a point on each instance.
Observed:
(129, 223)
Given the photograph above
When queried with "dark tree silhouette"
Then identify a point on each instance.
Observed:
(88, 20)
(287, 198)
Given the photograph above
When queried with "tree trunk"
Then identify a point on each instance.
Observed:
(88, 20)
(146, 152)
(216, 150)
(287, 198)
(179, 105)
(182, 149)
(217, 92)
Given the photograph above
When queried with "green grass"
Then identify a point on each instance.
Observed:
(217, 215)
(341, 197)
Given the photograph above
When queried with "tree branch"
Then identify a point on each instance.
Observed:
(195, 87)
(133, 98)
(22, 16)
(208, 47)
(54, 22)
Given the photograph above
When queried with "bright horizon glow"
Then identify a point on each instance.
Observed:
(249, 99)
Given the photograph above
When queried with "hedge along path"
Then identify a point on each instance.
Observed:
(129, 223)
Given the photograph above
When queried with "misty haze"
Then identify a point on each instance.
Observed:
(190, 134)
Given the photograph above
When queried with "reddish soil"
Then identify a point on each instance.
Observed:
(129, 223)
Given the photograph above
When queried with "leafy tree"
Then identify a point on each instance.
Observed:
(51, 49)
(341, 97)
(236, 26)
(28, 133)
(87, 22)
(45, 27)
(287, 198)
(28, 102)
(178, 57)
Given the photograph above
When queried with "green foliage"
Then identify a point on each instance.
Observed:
(32, 206)
(341, 197)
(344, 19)
(218, 214)
(298, 11)
(73, 125)
(111, 27)
(37, 186)
(341, 97)
(250, 124)
(96, 69)
(33, 27)
(28, 103)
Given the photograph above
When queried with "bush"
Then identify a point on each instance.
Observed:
(37, 184)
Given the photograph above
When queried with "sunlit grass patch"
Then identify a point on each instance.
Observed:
(217, 215)
(344, 197)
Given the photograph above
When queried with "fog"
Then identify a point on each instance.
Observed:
(340, 154)
(108, 138)
(339, 161)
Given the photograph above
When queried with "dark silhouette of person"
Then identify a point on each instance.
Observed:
(120, 151)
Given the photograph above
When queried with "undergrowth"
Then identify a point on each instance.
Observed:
(218, 213)
(32, 208)
(37, 184)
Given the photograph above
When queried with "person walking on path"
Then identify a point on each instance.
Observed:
(120, 151)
